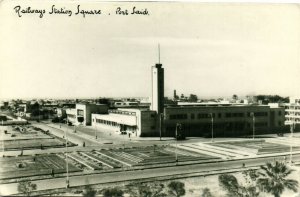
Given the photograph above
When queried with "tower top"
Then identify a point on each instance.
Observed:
(158, 65)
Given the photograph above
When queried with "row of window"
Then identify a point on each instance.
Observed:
(257, 114)
(293, 119)
(121, 112)
(292, 113)
(106, 122)
(209, 115)
(292, 107)
(71, 116)
(178, 116)
(229, 115)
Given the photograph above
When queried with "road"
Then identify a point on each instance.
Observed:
(206, 169)
(76, 138)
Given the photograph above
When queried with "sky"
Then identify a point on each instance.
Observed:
(211, 50)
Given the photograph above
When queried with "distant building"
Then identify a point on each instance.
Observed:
(82, 113)
(71, 115)
(4, 104)
(118, 104)
(292, 113)
(61, 112)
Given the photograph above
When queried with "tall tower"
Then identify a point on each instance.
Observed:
(157, 103)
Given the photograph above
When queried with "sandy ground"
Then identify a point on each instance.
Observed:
(194, 186)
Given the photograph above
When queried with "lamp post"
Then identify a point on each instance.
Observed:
(160, 124)
(253, 127)
(67, 164)
(212, 127)
(3, 139)
(176, 135)
(74, 128)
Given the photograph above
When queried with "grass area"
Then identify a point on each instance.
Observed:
(14, 167)
(28, 137)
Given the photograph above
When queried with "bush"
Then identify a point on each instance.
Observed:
(55, 120)
(113, 192)
(176, 188)
(26, 187)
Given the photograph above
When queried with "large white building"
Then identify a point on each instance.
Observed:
(138, 122)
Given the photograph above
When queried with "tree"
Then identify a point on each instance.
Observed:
(113, 192)
(235, 97)
(206, 193)
(34, 109)
(234, 189)
(273, 179)
(229, 182)
(147, 190)
(176, 188)
(193, 98)
(265, 99)
(26, 187)
(89, 191)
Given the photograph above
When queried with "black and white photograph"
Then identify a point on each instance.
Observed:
(149, 98)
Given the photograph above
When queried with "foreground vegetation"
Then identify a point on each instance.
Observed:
(271, 178)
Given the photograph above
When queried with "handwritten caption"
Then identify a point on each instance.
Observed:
(55, 10)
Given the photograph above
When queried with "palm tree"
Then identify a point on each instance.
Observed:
(273, 179)
(230, 183)
(234, 189)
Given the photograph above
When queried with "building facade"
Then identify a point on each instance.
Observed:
(225, 120)
(138, 122)
(292, 113)
(82, 113)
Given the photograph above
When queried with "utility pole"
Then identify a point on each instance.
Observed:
(212, 127)
(67, 164)
(253, 127)
(176, 158)
(3, 139)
